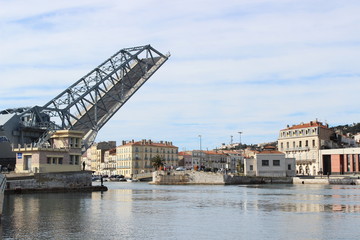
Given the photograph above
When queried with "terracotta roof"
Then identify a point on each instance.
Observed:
(213, 152)
(154, 144)
(229, 152)
(306, 125)
(184, 154)
(270, 152)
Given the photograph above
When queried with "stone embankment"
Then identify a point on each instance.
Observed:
(51, 182)
(196, 177)
(209, 178)
(333, 180)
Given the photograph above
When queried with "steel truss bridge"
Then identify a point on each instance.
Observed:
(89, 103)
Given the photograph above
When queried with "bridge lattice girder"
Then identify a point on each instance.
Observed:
(90, 102)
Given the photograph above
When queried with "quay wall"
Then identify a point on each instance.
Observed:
(195, 177)
(51, 182)
(332, 181)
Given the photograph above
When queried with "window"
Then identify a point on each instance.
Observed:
(265, 162)
(251, 167)
(48, 160)
(60, 161)
(74, 159)
(276, 162)
(300, 144)
(354, 163)
(289, 166)
(313, 143)
(54, 160)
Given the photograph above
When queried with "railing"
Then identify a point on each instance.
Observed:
(3, 183)
(142, 175)
(295, 149)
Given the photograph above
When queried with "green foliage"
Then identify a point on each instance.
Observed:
(352, 128)
(157, 162)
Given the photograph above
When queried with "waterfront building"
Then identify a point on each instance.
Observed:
(109, 166)
(233, 159)
(303, 142)
(62, 154)
(186, 160)
(269, 163)
(340, 161)
(211, 160)
(95, 156)
(134, 157)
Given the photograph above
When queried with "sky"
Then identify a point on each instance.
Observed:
(250, 66)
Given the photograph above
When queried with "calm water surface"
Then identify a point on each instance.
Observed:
(143, 211)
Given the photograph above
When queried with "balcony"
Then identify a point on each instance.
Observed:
(295, 149)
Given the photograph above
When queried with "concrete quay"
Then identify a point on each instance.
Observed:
(79, 181)
(333, 180)
(209, 178)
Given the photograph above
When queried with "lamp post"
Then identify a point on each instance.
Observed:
(241, 156)
(240, 140)
(200, 150)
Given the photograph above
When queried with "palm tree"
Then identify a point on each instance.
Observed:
(157, 162)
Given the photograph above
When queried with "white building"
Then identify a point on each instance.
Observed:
(269, 163)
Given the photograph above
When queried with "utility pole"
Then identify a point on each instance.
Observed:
(241, 155)
(240, 140)
(200, 151)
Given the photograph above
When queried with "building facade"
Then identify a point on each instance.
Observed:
(94, 157)
(269, 163)
(340, 161)
(134, 157)
(109, 166)
(62, 155)
(303, 143)
(186, 160)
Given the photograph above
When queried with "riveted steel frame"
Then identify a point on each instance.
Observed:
(91, 101)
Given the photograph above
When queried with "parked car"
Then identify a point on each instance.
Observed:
(180, 169)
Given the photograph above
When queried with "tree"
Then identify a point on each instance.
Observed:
(157, 162)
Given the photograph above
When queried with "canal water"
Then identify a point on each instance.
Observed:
(143, 211)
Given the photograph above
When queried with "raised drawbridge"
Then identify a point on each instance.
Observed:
(88, 104)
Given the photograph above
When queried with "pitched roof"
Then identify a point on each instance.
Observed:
(270, 152)
(149, 143)
(306, 125)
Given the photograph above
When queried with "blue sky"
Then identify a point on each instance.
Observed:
(253, 66)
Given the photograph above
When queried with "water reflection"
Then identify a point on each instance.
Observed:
(300, 198)
(142, 211)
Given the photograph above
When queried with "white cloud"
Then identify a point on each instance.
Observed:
(251, 66)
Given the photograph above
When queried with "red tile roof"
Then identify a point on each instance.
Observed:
(270, 152)
(306, 125)
(148, 143)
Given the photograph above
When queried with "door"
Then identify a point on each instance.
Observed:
(27, 162)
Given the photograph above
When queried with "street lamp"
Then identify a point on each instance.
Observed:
(241, 156)
(240, 139)
(200, 151)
